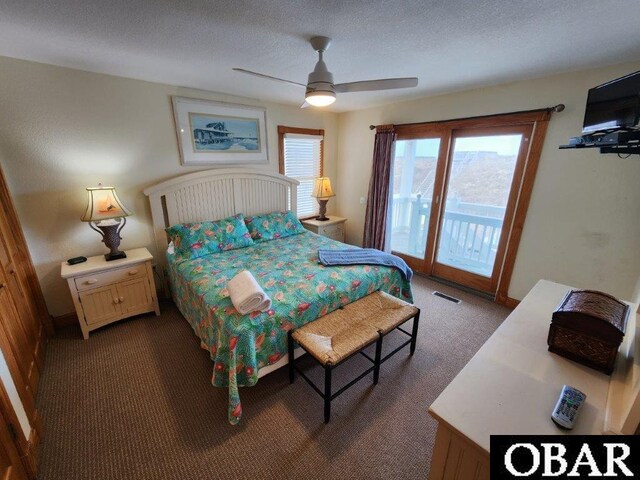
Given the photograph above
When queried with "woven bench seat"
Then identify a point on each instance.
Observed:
(337, 336)
(346, 331)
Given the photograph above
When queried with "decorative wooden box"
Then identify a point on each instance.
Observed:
(588, 327)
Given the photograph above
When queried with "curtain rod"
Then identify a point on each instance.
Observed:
(556, 108)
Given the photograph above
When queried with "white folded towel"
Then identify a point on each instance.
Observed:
(247, 295)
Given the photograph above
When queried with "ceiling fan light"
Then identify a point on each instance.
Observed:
(320, 98)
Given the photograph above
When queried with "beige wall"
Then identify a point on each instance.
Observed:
(583, 224)
(62, 130)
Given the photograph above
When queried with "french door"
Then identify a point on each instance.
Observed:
(460, 193)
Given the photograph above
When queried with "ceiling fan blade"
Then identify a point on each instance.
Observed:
(383, 84)
(305, 105)
(268, 77)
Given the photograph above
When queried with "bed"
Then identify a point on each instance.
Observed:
(246, 347)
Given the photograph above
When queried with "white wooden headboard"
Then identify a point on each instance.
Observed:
(216, 194)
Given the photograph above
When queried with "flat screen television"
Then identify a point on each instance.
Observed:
(613, 105)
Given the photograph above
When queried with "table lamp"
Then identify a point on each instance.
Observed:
(322, 191)
(106, 215)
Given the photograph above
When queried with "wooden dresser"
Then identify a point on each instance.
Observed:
(512, 384)
(24, 327)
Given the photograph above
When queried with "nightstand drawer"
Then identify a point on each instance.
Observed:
(113, 276)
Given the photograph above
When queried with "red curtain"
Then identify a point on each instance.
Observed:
(375, 223)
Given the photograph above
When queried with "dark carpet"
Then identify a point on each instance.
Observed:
(134, 402)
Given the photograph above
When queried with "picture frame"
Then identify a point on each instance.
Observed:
(219, 133)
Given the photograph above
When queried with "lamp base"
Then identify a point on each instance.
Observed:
(323, 210)
(111, 238)
(114, 256)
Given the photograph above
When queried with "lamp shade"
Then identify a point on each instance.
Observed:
(103, 204)
(320, 98)
(322, 188)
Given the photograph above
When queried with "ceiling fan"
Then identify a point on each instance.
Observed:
(321, 91)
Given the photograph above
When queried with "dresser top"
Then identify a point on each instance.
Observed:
(323, 223)
(512, 384)
(98, 263)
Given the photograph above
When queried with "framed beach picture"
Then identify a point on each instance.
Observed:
(212, 133)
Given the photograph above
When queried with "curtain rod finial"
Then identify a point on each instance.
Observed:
(559, 108)
(372, 127)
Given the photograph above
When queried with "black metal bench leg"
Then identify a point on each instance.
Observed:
(292, 370)
(376, 369)
(327, 393)
(414, 333)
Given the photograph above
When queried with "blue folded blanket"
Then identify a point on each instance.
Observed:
(364, 256)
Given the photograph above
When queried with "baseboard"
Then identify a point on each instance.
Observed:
(508, 302)
(64, 320)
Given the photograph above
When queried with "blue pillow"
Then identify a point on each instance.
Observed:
(193, 240)
(273, 225)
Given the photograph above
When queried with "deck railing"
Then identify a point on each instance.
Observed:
(468, 239)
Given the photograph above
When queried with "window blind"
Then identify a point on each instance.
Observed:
(302, 154)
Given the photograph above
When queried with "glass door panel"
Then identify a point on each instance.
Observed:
(478, 187)
(414, 174)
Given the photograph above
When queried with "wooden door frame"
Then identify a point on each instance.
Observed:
(10, 213)
(27, 447)
(521, 208)
(430, 131)
(538, 120)
(470, 279)
(8, 440)
(20, 265)
(19, 379)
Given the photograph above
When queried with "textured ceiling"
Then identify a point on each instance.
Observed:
(447, 44)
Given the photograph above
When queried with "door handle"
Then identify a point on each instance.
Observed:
(115, 301)
(2, 285)
(121, 299)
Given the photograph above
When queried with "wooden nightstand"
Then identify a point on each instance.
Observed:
(333, 228)
(105, 292)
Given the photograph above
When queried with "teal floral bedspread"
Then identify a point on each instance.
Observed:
(301, 290)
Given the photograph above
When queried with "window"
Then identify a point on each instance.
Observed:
(301, 158)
